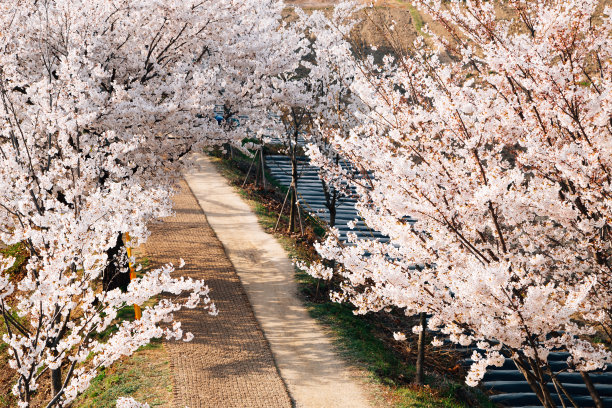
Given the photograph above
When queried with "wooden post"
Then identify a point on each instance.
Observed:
(137, 310)
(420, 362)
(263, 166)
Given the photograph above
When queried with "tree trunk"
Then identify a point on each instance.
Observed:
(547, 399)
(292, 210)
(557, 384)
(420, 361)
(263, 167)
(332, 216)
(594, 394)
(538, 385)
(112, 277)
(294, 181)
(227, 148)
(258, 170)
(56, 380)
(330, 203)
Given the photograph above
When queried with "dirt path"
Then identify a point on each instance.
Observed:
(315, 376)
(229, 362)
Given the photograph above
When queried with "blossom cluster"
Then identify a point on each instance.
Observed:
(496, 138)
(101, 102)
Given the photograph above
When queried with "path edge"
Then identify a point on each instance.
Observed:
(259, 326)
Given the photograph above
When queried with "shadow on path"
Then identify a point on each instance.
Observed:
(229, 362)
(315, 376)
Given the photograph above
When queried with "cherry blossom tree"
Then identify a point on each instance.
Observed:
(331, 78)
(316, 99)
(296, 120)
(101, 102)
(293, 103)
(502, 153)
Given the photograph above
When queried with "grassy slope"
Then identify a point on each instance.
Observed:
(7, 376)
(145, 376)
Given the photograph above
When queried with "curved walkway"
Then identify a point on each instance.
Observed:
(229, 362)
(315, 376)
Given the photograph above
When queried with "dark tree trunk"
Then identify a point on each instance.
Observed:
(332, 216)
(294, 181)
(56, 380)
(592, 391)
(420, 361)
(258, 169)
(112, 277)
(263, 167)
(537, 382)
(292, 210)
(331, 201)
(226, 148)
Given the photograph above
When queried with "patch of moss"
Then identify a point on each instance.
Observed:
(20, 253)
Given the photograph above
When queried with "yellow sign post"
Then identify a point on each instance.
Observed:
(137, 311)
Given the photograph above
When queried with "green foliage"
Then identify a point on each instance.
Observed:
(126, 313)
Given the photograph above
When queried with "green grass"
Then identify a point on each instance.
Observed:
(125, 313)
(145, 376)
(7, 377)
(357, 341)
(414, 398)
(417, 19)
(145, 262)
